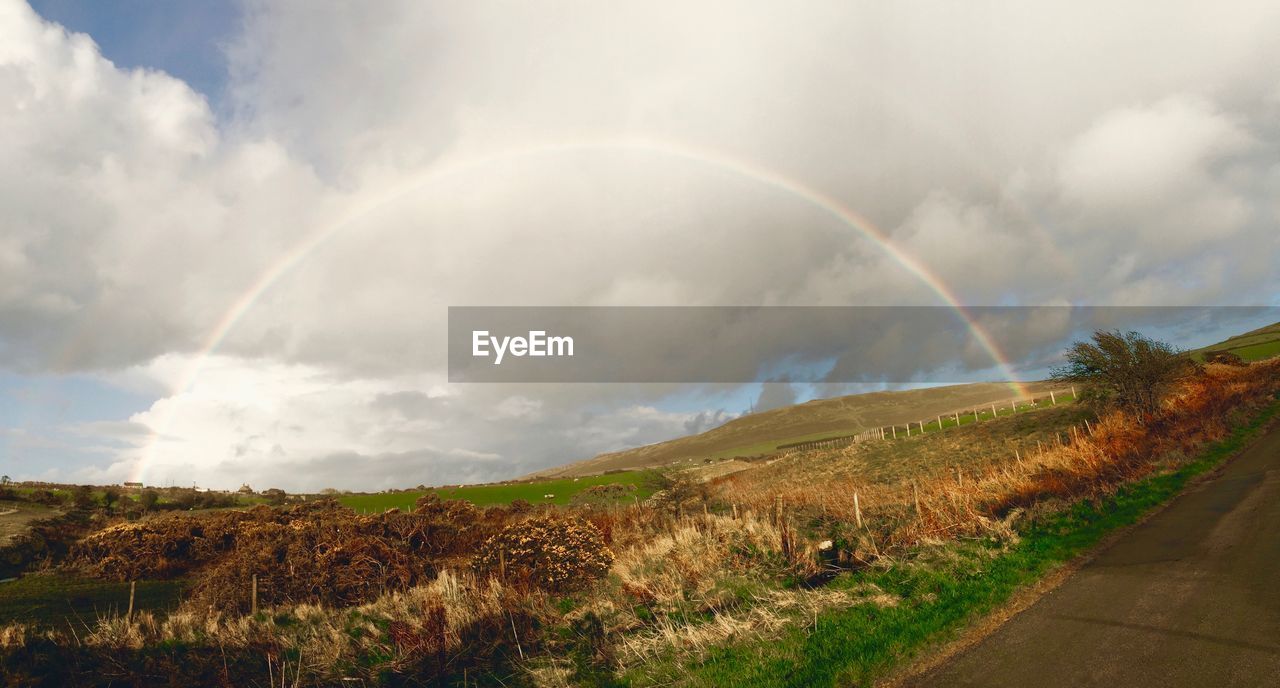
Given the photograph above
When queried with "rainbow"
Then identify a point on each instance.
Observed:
(676, 150)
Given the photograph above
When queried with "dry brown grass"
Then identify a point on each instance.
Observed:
(968, 480)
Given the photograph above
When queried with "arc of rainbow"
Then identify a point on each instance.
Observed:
(678, 150)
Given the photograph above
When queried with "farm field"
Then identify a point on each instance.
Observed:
(1257, 352)
(1256, 345)
(564, 489)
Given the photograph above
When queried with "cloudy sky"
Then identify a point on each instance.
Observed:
(229, 232)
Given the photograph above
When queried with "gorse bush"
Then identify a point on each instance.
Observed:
(315, 553)
(549, 552)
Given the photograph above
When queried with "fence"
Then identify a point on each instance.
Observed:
(956, 418)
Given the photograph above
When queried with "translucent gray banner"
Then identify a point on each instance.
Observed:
(745, 344)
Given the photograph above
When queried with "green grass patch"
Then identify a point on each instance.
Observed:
(1257, 352)
(1257, 345)
(564, 490)
(942, 590)
(53, 601)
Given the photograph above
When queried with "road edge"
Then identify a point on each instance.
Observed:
(932, 656)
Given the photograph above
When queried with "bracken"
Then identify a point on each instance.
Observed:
(548, 552)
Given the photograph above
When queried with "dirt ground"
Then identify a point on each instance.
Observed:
(14, 517)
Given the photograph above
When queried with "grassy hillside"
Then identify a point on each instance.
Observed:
(972, 447)
(762, 433)
(1261, 343)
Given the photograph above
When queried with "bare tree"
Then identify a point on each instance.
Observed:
(1125, 370)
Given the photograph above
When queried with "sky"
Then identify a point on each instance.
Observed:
(230, 231)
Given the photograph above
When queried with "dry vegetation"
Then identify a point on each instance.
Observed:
(553, 596)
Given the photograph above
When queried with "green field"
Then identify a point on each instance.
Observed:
(1257, 352)
(52, 600)
(564, 490)
(1250, 346)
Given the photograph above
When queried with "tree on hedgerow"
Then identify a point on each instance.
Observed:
(1126, 371)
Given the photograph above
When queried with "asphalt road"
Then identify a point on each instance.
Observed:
(1189, 598)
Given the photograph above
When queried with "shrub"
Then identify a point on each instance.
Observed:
(164, 547)
(46, 497)
(1224, 358)
(549, 552)
(603, 494)
(82, 497)
(1126, 371)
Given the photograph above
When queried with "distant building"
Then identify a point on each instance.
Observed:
(132, 486)
(245, 489)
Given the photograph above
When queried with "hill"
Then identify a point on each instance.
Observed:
(762, 433)
(1256, 345)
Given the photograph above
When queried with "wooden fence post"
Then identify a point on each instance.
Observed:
(993, 410)
(133, 590)
(939, 422)
(857, 510)
(894, 429)
(915, 497)
(253, 599)
(1053, 399)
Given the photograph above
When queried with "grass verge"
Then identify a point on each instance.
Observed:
(53, 601)
(941, 590)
